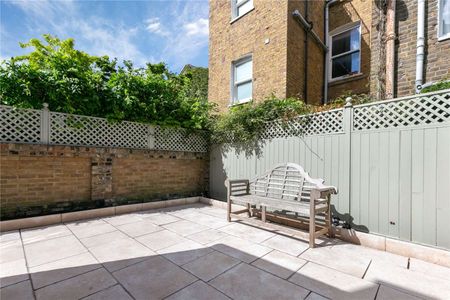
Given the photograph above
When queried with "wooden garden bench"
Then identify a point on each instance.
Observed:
(286, 187)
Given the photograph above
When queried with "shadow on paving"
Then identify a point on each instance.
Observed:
(220, 271)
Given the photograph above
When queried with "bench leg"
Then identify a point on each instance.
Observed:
(249, 207)
(312, 221)
(263, 213)
(329, 224)
(229, 210)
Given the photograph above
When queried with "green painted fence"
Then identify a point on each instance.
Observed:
(390, 161)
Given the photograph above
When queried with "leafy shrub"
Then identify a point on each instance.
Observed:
(441, 85)
(72, 81)
(243, 124)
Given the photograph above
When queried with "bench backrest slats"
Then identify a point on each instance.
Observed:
(285, 182)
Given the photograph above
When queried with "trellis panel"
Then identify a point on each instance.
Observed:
(410, 111)
(306, 125)
(20, 125)
(68, 129)
(175, 139)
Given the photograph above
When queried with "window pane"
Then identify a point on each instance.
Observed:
(346, 41)
(244, 91)
(243, 71)
(243, 8)
(345, 65)
(445, 17)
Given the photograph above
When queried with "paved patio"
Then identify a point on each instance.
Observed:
(191, 252)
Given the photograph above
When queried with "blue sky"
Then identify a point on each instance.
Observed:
(175, 32)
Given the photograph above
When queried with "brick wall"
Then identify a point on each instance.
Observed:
(229, 42)
(39, 179)
(437, 53)
(296, 53)
(342, 13)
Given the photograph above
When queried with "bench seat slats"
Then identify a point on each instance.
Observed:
(286, 187)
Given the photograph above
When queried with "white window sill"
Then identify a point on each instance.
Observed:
(444, 37)
(238, 17)
(240, 102)
(345, 78)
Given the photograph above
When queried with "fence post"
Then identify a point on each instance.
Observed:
(151, 137)
(45, 124)
(348, 124)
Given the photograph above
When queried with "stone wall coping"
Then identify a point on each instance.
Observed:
(40, 221)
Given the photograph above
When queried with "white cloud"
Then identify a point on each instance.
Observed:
(185, 45)
(199, 27)
(95, 35)
(153, 25)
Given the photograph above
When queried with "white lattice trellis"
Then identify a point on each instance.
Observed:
(313, 124)
(418, 110)
(88, 131)
(179, 140)
(20, 125)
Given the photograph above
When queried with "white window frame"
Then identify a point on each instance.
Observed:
(234, 83)
(235, 4)
(333, 33)
(441, 35)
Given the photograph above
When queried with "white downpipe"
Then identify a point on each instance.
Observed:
(420, 54)
(327, 56)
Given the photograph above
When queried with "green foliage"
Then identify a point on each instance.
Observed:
(244, 123)
(199, 82)
(72, 81)
(341, 100)
(441, 85)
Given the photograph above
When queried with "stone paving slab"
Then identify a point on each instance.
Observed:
(286, 244)
(207, 236)
(44, 233)
(77, 287)
(387, 293)
(185, 227)
(279, 263)
(84, 229)
(159, 218)
(429, 269)
(247, 282)
(54, 249)
(11, 250)
(247, 232)
(191, 252)
(120, 253)
(116, 292)
(62, 269)
(332, 283)
(9, 236)
(104, 238)
(198, 291)
(411, 282)
(349, 263)
(160, 239)
(154, 278)
(139, 228)
(184, 252)
(241, 249)
(13, 272)
(19, 291)
(211, 265)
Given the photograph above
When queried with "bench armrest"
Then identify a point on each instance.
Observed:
(233, 181)
(330, 189)
(237, 187)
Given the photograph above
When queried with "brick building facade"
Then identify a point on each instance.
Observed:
(258, 48)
